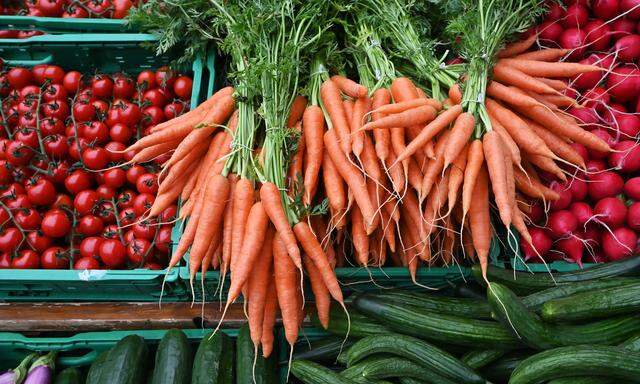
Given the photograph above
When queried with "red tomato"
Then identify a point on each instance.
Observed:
(106, 192)
(114, 150)
(120, 133)
(101, 106)
(55, 258)
(86, 263)
(13, 190)
(169, 214)
(85, 202)
(146, 80)
(113, 253)
(111, 232)
(134, 173)
(38, 241)
(52, 126)
(10, 238)
(62, 200)
(54, 74)
(75, 147)
(18, 153)
(75, 11)
(173, 110)
(96, 132)
(163, 238)
(27, 219)
(165, 78)
(154, 97)
(123, 87)
(56, 108)
(115, 178)
(182, 87)
(139, 250)
(53, 92)
(5, 173)
(125, 199)
(83, 111)
(27, 259)
(30, 93)
(51, 8)
(38, 72)
(98, 7)
(55, 223)
(19, 77)
(56, 146)
(127, 216)
(90, 225)
(77, 181)
(152, 265)
(27, 136)
(142, 203)
(152, 116)
(147, 183)
(41, 192)
(144, 230)
(121, 8)
(71, 80)
(59, 171)
(107, 213)
(95, 158)
(113, 116)
(129, 114)
(5, 260)
(102, 86)
(90, 246)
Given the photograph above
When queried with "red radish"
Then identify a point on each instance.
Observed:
(596, 166)
(604, 135)
(565, 196)
(632, 188)
(623, 83)
(633, 216)
(582, 151)
(562, 223)
(605, 9)
(582, 211)
(620, 244)
(610, 211)
(576, 16)
(604, 184)
(627, 157)
(604, 60)
(574, 39)
(598, 35)
(597, 98)
(590, 79)
(586, 116)
(591, 235)
(628, 48)
(537, 213)
(614, 111)
(596, 257)
(578, 189)
(554, 11)
(570, 92)
(628, 124)
(572, 247)
(541, 242)
(550, 30)
(622, 27)
(631, 5)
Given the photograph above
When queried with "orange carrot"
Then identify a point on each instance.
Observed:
(313, 131)
(227, 227)
(508, 75)
(295, 167)
(269, 319)
(241, 203)
(349, 87)
(332, 102)
(518, 47)
(554, 101)
(258, 285)
(511, 146)
(297, 109)
(557, 145)
(151, 152)
(382, 137)
(532, 187)
(548, 165)
(179, 168)
(418, 115)
(272, 200)
(494, 156)
(455, 94)
(480, 221)
(396, 173)
(286, 282)
(475, 159)
(456, 177)
(506, 94)
(460, 134)
(398, 107)
(320, 292)
(348, 110)
(548, 54)
(333, 185)
(434, 167)
(359, 238)
(558, 85)
(191, 182)
(549, 69)
(360, 109)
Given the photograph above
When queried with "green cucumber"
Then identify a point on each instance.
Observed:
(535, 300)
(309, 372)
(481, 357)
(325, 349)
(589, 360)
(455, 306)
(593, 305)
(582, 380)
(264, 371)
(354, 372)
(416, 350)
(469, 289)
(443, 329)
(213, 362)
(632, 343)
(391, 367)
(126, 362)
(500, 370)
(526, 325)
(173, 359)
(358, 325)
(69, 376)
(525, 282)
(94, 370)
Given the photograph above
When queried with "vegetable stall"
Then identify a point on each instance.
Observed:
(374, 188)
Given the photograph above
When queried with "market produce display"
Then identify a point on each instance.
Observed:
(112, 9)
(69, 199)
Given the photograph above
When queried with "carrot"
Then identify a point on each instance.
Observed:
(558, 85)
(475, 159)
(396, 174)
(370, 161)
(225, 147)
(333, 185)
(313, 131)
(382, 137)
(209, 160)
(151, 152)
(349, 87)
(332, 102)
(455, 95)
(402, 89)
(548, 54)
(191, 182)
(242, 201)
(557, 145)
(398, 107)
(182, 165)
(508, 75)
(353, 178)
(411, 210)
(460, 134)
(554, 101)
(269, 318)
(286, 281)
(456, 177)
(548, 165)
(494, 156)
(418, 115)
(297, 109)
(506, 94)
(170, 194)
(258, 285)
(227, 227)
(431, 130)
(521, 226)
(518, 47)
(320, 292)
(532, 187)
(510, 145)
(434, 167)
(480, 221)
(549, 69)
(272, 200)
(295, 166)
(359, 238)
(360, 109)
(414, 175)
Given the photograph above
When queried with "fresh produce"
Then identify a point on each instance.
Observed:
(18, 374)
(213, 361)
(69, 376)
(41, 371)
(112, 9)
(173, 359)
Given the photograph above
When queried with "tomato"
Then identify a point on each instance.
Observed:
(27, 106)
(129, 155)
(126, 199)
(51, 8)
(163, 238)
(182, 87)
(102, 107)
(86, 263)
(75, 147)
(154, 97)
(56, 108)
(142, 203)
(30, 92)
(55, 223)
(56, 146)
(110, 232)
(129, 114)
(113, 116)
(27, 219)
(106, 212)
(144, 230)
(38, 73)
(147, 183)
(5, 173)
(121, 8)
(27, 120)
(146, 80)
(54, 91)
(75, 11)
(120, 133)
(165, 78)
(41, 192)
(106, 192)
(3, 148)
(27, 259)
(123, 87)
(54, 258)
(85, 202)
(18, 153)
(77, 181)
(114, 150)
(71, 80)
(134, 173)
(113, 253)
(5, 260)
(115, 178)
(90, 225)
(95, 158)
(127, 216)
(102, 86)
(172, 110)
(27, 136)
(90, 246)
(98, 7)
(139, 250)
(19, 77)
(10, 238)
(169, 214)
(38, 241)
(152, 116)
(62, 201)
(13, 190)
(59, 171)
(96, 132)
(85, 96)
(52, 126)
(54, 74)
(83, 111)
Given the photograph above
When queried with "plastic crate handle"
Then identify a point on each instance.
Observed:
(29, 63)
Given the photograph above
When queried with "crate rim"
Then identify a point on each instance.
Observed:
(62, 24)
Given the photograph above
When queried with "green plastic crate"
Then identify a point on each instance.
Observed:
(62, 24)
(108, 53)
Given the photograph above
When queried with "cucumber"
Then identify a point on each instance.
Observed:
(391, 367)
(325, 349)
(430, 357)
(632, 343)
(479, 358)
(500, 370)
(535, 300)
(213, 362)
(354, 372)
(593, 305)
(265, 369)
(126, 362)
(582, 380)
(69, 376)
(525, 324)
(455, 306)
(525, 282)
(361, 326)
(94, 370)
(589, 360)
(469, 289)
(444, 329)
(173, 359)
(309, 372)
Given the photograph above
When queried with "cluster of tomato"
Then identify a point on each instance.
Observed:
(113, 9)
(67, 196)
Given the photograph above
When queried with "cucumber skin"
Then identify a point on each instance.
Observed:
(309, 372)
(69, 376)
(479, 358)
(454, 306)
(94, 370)
(391, 367)
(361, 326)
(500, 370)
(213, 362)
(325, 349)
(126, 362)
(265, 370)
(173, 359)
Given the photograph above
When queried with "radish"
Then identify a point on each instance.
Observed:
(573, 248)
(582, 211)
(591, 235)
(627, 157)
(614, 111)
(597, 256)
(573, 39)
(562, 224)
(581, 2)
(550, 31)
(597, 98)
(603, 60)
(604, 184)
(610, 212)
(578, 189)
(554, 11)
(620, 244)
(598, 35)
(585, 116)
(632, 188)
(628, 48)
(638, 103)
(606, 137)
(629, 125)
(622, 27)
(628, 5)
(565, 196)
(590, 79)
(633, 216)
(582, 151)
(537, 213)
(623, 83)
(605, 9)
(540, 244)
(576, 16)
(595, 166)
